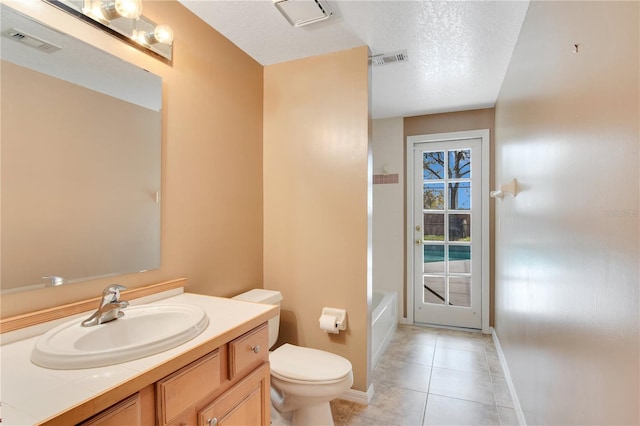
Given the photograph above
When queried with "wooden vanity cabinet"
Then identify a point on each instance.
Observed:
(230, 385)
(221, 376)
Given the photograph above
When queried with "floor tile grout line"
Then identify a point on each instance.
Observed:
(457, 398)
(426, 401)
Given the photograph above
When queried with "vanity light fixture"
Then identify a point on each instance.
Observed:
(123, 19)
(303, 12)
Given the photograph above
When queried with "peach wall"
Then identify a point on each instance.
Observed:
(316, 186)
(567, 247)
(212, 159)
(458, 122)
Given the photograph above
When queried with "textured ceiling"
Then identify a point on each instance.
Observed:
(458, 50)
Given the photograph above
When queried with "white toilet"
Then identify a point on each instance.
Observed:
(303, 380)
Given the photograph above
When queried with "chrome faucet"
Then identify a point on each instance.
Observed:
(110, 306)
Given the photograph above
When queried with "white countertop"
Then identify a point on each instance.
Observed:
(31, 394)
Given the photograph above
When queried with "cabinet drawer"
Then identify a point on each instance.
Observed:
(249, 350)
(187, 386)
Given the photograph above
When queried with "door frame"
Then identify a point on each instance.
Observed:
(484, 135)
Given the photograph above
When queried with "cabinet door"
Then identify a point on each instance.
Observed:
(126, 412)
(246, 403)
(136, 410)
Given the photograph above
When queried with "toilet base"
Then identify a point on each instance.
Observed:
(313, 415)
(278, 418)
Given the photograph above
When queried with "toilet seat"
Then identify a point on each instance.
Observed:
(297, 364)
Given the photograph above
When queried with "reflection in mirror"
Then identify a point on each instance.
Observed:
(80, 160)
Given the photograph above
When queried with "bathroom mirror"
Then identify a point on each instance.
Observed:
(80, 153)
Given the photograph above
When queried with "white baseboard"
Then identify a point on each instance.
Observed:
(358, 396)
(512, 390)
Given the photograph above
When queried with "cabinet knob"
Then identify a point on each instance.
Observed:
(213, 421)
(255, 349)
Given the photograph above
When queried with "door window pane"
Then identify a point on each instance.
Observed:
(433, 165)
(434, 290)
(433, 198)
(459, 164)
(460, 195)
(459, 227)
(433, 258)
(459, 259)
(434, 226)
(460, 291)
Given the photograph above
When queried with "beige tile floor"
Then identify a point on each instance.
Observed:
(431, 376)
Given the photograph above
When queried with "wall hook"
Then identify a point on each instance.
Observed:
(511, 188)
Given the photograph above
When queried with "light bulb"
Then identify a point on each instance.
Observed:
(131, 9)
(161, 34)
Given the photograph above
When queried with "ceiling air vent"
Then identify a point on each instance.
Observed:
(389, 58)
(30, 40)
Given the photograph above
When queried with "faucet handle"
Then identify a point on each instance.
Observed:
(112, 293)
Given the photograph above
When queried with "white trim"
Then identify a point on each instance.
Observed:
(484, 135)
(486, 230)
(409, 173)
(507, 376)
(358, 396)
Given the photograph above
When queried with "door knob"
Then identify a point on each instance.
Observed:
(418, 242)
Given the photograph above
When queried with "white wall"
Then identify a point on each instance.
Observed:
(567, 247)
(388, 208)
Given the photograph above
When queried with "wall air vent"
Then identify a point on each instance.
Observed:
(389, 58)
(29, 40)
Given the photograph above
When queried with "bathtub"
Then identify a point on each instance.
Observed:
(384, 320)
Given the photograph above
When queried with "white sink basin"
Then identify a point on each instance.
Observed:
(142, 331)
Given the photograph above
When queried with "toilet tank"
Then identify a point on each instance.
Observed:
(267, 297)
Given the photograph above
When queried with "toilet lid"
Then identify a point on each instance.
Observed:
(307, 364)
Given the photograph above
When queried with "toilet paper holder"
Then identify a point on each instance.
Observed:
(339, 314)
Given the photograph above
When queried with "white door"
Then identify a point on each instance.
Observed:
(447, 228)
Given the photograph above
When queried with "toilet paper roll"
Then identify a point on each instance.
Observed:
(329, 323)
